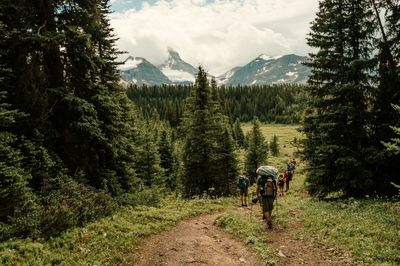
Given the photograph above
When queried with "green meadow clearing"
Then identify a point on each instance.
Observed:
(369, 227)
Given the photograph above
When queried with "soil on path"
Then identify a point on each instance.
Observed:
(196, 241)
(290, 249)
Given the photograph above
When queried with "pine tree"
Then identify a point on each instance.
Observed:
(147, 161)
(203, 127)
(167, 160)
(335, 124)
(273, 146)
(18, 205)
(393, 147)
(384, 116)
(227, 164)
(238, 133)
(256, 152)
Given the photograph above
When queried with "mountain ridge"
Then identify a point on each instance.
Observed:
(263, 69)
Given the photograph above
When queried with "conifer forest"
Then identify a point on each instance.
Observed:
(76, 145)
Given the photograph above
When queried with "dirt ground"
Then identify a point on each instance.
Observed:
(197, 241)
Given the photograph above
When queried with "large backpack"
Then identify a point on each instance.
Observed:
(241, 183)
(269, 188)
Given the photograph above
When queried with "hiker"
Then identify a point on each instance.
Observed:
(286, 179)
(291, 166)
(294, 163)
(281, 184)
(243, 185)
(266, 191)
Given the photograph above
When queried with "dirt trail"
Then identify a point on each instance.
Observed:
(197, 241)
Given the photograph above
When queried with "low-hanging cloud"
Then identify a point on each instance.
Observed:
(218, 35)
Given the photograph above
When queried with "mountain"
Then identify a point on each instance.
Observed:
(224, 78)
(262, 70)
(177, 70)
(138, 70)
(268, 70)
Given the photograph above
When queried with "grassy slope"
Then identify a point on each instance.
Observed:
(369, 228)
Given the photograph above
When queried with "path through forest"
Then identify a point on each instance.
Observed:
(197, 241)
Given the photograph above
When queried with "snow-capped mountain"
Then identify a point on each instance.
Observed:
(224, 78)
(137, 70)
(177, 70)
(268, 70)
(262, 70)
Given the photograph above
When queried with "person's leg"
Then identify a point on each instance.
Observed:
(270, 204)
(245, 197)
(267, 211)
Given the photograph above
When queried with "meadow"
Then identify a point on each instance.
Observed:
(368, 227)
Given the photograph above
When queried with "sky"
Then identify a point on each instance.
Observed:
(217, 34)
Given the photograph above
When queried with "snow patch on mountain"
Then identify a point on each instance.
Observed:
(267, 57)
(176, 69)
(177, 75)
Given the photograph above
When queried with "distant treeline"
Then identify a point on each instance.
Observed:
(283, 103)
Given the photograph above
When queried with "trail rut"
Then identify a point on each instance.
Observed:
(196, 241)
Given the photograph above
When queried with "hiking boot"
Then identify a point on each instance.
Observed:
(264, 217)
(245, 205)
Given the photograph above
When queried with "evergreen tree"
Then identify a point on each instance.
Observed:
(393, 147)
(147, 164)
(384, 116)
(238, 133)
(59, 59)
(167, 160)
(203, 125)
(64, 76)
(273, 146)
(227, 163)
(335, 124)
(256, 152)
(18, 205)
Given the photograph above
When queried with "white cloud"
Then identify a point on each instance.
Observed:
(218, 35)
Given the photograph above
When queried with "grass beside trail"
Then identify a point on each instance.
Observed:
(369, 227)
(109, 241)
(253, 233)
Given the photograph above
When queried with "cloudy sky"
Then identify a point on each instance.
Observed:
(217, 34)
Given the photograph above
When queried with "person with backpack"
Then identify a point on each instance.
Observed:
(281, 184)
(243, 185)
(266, 192)
(286, 179)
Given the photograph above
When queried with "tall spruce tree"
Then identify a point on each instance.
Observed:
(387, 93)
(227, 164)
(238, 133)
(62, 56)
(336, 122)
(203, 125)
(256, 151)
(167, 160)
(274, 146)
